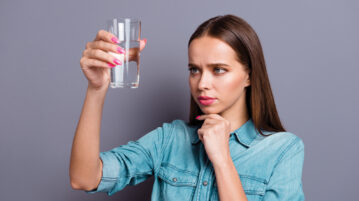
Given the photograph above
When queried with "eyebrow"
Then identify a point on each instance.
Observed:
(210, 65)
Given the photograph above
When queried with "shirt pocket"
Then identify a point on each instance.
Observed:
(253, 187)
(176, 184)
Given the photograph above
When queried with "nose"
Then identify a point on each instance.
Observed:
(205, 81)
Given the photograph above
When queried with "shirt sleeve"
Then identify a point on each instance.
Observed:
(285, 183)
(133, 162)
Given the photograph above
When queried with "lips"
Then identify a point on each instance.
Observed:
(205, 100)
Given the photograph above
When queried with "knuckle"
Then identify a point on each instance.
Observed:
(97, 53)
(93, 62)
(103, 45)
(84, 53)
(101, 32)
(94, 45)
(96, 62)
(88, 45)
(82, 61)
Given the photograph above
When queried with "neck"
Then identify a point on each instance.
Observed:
(236, 120)
(237, 115)
(237, 123)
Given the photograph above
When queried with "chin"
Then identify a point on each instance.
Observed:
(210, 110)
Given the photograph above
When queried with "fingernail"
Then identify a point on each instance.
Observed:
(198, 116)
(116, 61)
(111, 65)
(115, 40)
(121, 50)
(145, 40)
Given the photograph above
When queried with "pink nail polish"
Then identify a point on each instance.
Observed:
(116, 61)
(115, 40)
(120, 50)
(111, 65)
(198, 116)
(145, 40)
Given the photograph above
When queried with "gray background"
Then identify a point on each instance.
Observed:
(311, 49)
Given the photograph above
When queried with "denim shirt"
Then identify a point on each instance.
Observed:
(269, 167)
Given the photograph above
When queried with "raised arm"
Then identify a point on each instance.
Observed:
(85, 163)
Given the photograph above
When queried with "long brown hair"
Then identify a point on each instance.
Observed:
(238, 34)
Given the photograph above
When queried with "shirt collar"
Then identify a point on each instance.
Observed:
(244, 134)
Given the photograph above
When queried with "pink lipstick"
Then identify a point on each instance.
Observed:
(205, 100)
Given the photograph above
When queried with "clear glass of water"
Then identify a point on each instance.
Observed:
(128, 31)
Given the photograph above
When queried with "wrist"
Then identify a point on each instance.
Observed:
(97, 94)
(222, 162)
(102, 89)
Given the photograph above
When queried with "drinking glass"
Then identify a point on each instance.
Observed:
(128, 32)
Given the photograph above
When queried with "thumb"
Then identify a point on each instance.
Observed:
(143, 44)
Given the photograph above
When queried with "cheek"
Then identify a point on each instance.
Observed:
(230, 87)
(190, 83)
(229, 84)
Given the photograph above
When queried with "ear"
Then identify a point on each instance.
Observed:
(247, 82)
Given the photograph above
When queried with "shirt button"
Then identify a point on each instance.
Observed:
(174, 179)
(205, 183)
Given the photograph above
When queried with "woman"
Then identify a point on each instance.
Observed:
(233, 148)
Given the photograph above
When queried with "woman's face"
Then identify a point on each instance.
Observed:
(215, 72)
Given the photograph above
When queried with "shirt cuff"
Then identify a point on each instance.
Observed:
(110, 173)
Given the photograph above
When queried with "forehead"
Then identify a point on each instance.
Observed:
(208, 49)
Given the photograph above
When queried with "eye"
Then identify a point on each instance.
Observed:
(217, 69)
(190, 69)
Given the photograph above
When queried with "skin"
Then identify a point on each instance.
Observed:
(216, 72)
(85, 164)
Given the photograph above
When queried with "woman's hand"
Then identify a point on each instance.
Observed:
(214, 134)
(97, 59)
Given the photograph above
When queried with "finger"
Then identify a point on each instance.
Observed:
(106, 36)
(101, 55)
(209, 121)
(200, 117)
(143, 44)
(105, 46)
(95, 63)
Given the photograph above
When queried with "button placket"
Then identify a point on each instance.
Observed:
(201, 192)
